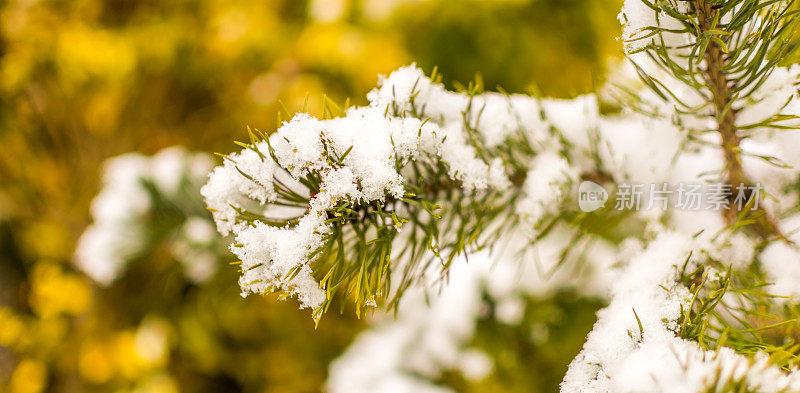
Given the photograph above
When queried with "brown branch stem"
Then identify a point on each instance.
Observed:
(725, 114)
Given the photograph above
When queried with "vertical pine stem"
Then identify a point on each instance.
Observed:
(725, 113)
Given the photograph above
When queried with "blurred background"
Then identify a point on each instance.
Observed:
(85, 80)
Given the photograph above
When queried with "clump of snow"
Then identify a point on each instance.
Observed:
(120, 232)
(638, 148)
(104, 249)
(778, 93)
(645, 292)
(269, 254)
(194, 246)
(780, 260)
(228, 188)
(634, 346)
(638, 19)
(545, 185)
(781, 263)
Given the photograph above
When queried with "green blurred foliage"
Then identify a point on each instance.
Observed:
(553, 47)
(84, 80)
(533, 355)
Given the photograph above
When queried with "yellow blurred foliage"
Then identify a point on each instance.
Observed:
(83, 53)
(129, 355)
(351, 52)
(103, 111)
(30, 376)
(11, 329)
(95, 362)
(53, 291)
(46, 239)
(160, 383)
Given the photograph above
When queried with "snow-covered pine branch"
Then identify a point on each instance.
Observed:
(367, 201)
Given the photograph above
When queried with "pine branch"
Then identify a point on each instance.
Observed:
(369, 226)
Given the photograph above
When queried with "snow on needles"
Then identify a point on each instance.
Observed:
(638, 20)
(374, 144)
(634, 346)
